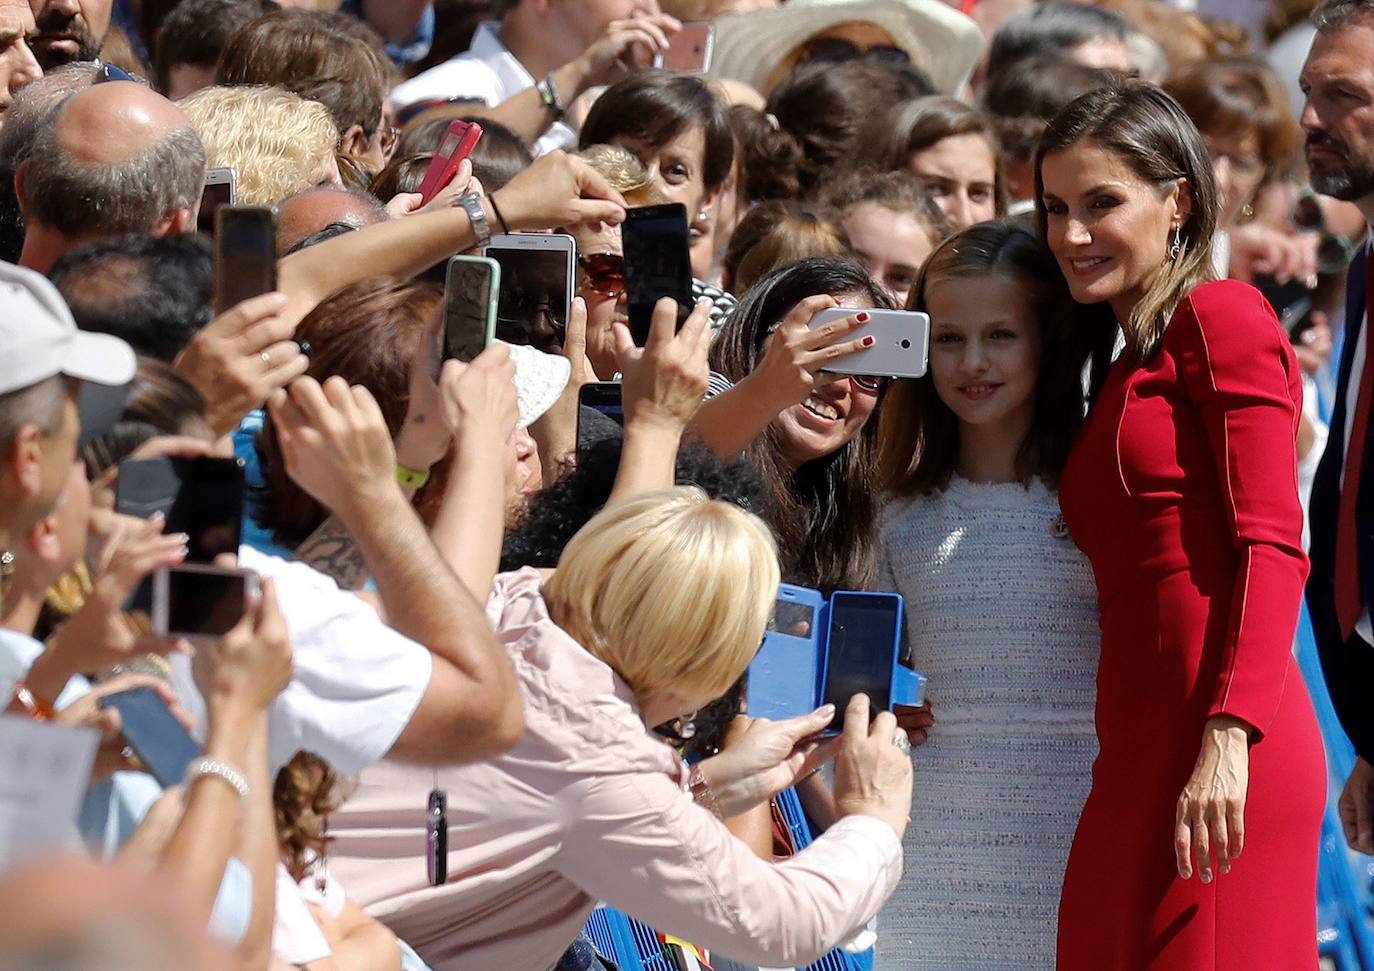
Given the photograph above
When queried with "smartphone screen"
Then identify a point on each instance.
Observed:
(201, 497)
(863, 637)
(534, 295)
(245, 254)
(603, 398)
(205, 602)
(658, 263)
(216, 194)
(470, 306)
(161, 742)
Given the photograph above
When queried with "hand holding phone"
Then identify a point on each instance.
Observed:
(198, 601)
(162, 743)
(872, 773)
(457, 144)
(893, 343)
(689, 50)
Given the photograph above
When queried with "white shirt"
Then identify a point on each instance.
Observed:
(486, 72)
(357, 682)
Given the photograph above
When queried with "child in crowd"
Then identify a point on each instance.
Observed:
(1000, 605)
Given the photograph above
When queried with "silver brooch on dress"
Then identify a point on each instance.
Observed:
(1058, 528)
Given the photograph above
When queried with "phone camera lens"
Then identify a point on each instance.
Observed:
(905, 343)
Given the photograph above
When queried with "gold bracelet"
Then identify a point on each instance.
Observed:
(412, 478)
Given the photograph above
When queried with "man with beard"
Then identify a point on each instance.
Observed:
(68, 30)
(17, 64)
(1338, 119)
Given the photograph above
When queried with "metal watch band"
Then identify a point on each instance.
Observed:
(548, 93)
(472, 202)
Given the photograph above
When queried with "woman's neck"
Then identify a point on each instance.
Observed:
(987, 453)
(21, 609)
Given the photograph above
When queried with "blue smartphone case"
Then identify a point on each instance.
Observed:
(908, 685)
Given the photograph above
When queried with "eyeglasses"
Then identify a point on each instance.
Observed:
(867, 382)
(1248, 167)
(108, 72)
(1334, 250)
(605, 272)
(834, 49)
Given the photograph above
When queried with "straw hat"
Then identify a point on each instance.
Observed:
(940, 40)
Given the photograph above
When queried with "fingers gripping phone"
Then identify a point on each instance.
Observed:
(901, 342)
(245, 254)
(457, 144)
(862, 655)
(689, 50)
(536, 287)
(161, 742)
(658, 263)
(471, 294)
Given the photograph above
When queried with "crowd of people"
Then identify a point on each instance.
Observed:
(490, 665)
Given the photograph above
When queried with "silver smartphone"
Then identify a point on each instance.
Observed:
(197, 600)
(536, 287)
(901, 342)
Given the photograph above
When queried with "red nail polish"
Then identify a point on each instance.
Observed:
(868, 342)
(861, 318)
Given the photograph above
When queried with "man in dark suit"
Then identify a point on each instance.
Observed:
(1338, 120)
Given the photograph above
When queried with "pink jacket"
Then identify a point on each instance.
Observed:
(589, 806)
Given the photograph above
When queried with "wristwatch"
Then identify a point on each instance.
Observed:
(548, 94)
(472, 202)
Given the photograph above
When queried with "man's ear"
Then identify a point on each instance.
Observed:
(21, 178)
(354, 141)
(179, 222)
(25, 460)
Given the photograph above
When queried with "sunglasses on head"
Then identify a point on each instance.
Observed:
(108, 72)
(835, 49)
(605, 272)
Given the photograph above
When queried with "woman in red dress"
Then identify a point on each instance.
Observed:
(1197, 848)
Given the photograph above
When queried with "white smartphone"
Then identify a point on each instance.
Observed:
(198, 600)
(689, 50)
(536, 287)
(901, 342)
(220, 190)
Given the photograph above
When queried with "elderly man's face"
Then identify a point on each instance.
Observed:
(17, 64)
(68, 30)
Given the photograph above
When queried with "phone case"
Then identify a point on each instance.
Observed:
(786, 674)
(459, 140)
(690, 50)
(908, 685)
(901, 348)
(469, 315)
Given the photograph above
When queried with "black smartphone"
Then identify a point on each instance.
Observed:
(245, 254)
(598, 398)
(658, 263)
(162, 743)
(436, 837)
(861, 649)
(1292, 302)
(201, 497)
(197, 600)
(470, 305)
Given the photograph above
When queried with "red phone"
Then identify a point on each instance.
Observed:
(456, 145)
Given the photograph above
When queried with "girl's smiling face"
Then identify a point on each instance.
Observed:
(984, 350)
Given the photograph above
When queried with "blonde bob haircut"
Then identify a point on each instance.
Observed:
(277, 142)
(671, 589)
(625, 173)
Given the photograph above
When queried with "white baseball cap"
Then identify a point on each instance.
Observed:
(39, 338)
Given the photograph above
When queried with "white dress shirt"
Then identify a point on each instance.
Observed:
(486, 72)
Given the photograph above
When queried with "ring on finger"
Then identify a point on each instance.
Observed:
(266, 358)
(902, 742)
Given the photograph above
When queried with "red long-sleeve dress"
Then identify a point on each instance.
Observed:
(1182, 491)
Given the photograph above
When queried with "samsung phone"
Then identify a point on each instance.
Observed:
(245, 254)
(658, 263)
(604, 399)
(197, 600)
(861, 651)
(201, 497)
(536, 287)
(162, 743)
(457, 144)
(901, 342)
(470, 305)
(785, 676)
(689, 50)
(220, 190)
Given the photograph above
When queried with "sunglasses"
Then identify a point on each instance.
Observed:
(605, 272)
(1334, 250)
(830, 50)
(108, 72)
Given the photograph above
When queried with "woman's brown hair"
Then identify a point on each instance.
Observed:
(915, 126)
(1154, 137)
(366, 333)
(824, 515)
(306, 791)
(775, 234)
(918, 434)
(1234, 96)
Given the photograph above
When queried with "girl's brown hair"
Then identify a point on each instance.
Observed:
(366, 333)
(305, 792)
(1153, 136)
(918, 437)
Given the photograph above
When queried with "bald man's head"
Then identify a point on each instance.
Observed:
(308, 213)
(117, 158)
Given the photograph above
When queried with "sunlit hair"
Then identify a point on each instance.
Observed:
(1235, 96)
(672, 590)
(1153, 136)
(625, 173)
(277, 143)
(918, 434)
(778, 233)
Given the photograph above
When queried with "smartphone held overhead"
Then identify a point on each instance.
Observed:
(456, 145)
(535, 287)
(658, 264)
(471, 291)
(689, 50)
(245, 254)
(220, 190)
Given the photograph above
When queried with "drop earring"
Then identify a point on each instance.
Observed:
(1177, 246)
(686, 726)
